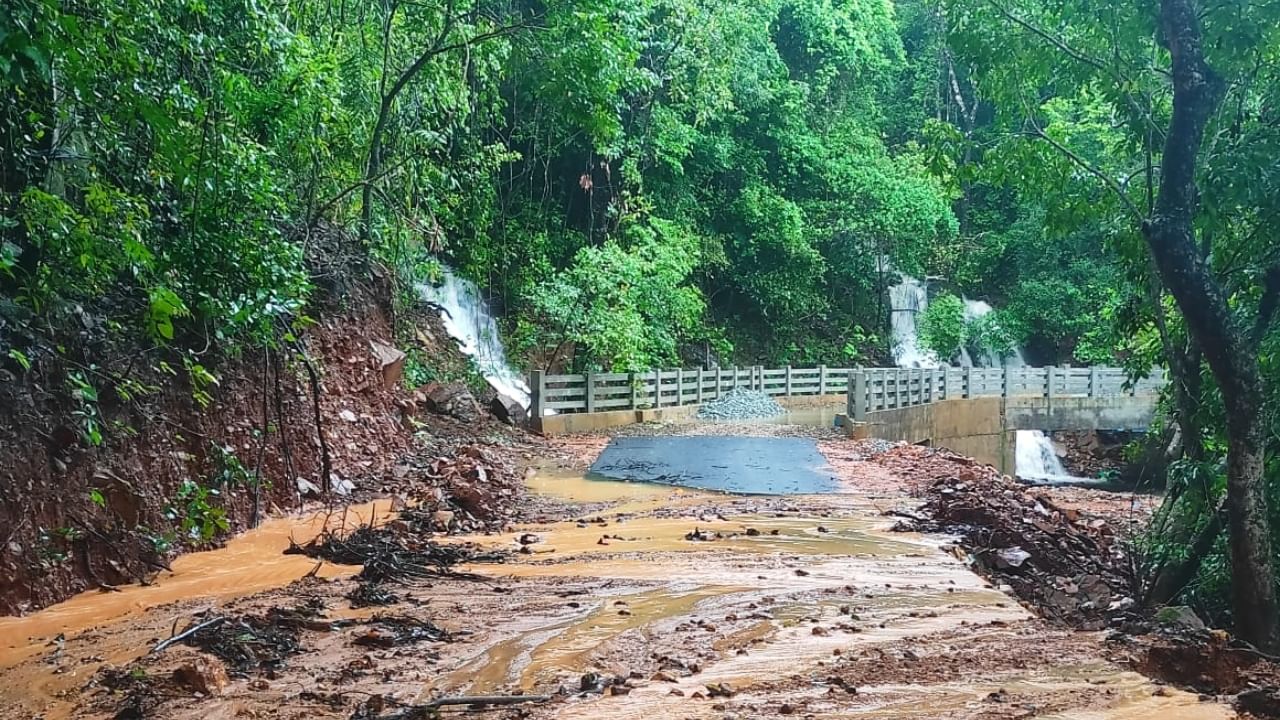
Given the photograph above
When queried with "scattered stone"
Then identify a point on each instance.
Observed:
(724, 690)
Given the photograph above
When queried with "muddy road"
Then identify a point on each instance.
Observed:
(626, 601)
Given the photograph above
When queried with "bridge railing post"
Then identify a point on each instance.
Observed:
(858, 395)
(537, 394)
(591, 391)
(1093, 381)
(967, 390)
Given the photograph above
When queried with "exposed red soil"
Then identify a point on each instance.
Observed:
(56, 540)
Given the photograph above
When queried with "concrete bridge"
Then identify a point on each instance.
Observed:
(974, 411)
(977, 411)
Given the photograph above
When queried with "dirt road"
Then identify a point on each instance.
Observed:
(629, 601)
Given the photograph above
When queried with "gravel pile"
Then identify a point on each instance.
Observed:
(740, 404)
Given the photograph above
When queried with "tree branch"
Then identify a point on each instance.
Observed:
(1111, 72)
(1051, 39)
(1084, 165)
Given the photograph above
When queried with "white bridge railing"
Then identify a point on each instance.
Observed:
(597, 392)
(872, 389)
(868, 389)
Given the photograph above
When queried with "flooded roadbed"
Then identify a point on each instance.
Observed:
(653, 602)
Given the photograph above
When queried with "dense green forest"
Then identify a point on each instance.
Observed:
(683, 182)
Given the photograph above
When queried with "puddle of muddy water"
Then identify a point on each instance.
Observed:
(248, 563)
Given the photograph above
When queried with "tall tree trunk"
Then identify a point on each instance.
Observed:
(1227, 348)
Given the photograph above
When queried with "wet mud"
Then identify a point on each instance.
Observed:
(636, 601)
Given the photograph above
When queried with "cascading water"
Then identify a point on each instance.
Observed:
(468, 320)
(907, 300)
(1036, 458)
(973, 310)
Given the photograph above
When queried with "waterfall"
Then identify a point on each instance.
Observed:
(907, 300)
(1036, 458)
(974, 309)
(467, 319)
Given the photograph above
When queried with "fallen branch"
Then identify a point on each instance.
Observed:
(424, 710)
(188, 633)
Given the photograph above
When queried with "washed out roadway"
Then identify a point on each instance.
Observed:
(800, 605)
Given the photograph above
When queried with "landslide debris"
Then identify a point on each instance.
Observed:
(1070, 568)
(472, 489)
(1209, 662)
(391, 553)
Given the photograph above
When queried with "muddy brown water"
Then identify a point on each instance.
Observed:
(796, 573)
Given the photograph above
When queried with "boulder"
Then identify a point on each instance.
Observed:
(452, 399)
(1179, 617)
(392, 362)
(508, 410)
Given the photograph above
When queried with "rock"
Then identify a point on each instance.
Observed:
(591, 683)
(348, 416)
(1179, 616)
(452, 399)
(787, 709)
(1262, 702)
(392, 362)
(508, 410)
(442, 520)
(1012, 557)
(724, 690)
(306, 488)
(203, 675)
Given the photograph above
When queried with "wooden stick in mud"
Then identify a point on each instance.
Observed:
(485, 700)
(187, 633)
(412, 710)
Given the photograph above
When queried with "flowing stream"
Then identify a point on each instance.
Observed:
(468, 320)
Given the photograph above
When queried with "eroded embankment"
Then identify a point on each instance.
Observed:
(175, 459)
(624, 601)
